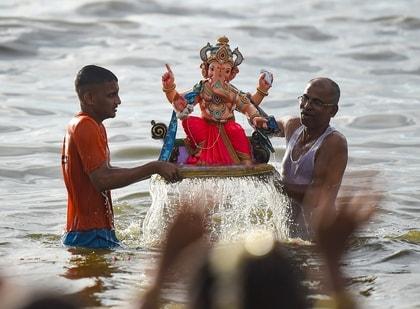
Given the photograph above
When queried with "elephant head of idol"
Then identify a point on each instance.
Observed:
(220, 64)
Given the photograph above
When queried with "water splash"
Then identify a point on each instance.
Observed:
(234, 206)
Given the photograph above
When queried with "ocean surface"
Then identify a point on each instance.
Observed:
(371, 48)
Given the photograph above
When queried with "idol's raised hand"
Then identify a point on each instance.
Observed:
(168, 79)
(265, 81)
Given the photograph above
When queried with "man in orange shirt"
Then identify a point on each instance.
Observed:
(87, 172)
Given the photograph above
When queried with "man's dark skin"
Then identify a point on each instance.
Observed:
(316, 110)
(100, 101)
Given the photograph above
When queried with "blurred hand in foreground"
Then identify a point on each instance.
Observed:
(333, 229)
(187, 229)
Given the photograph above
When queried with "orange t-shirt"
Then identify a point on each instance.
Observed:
(85, 148)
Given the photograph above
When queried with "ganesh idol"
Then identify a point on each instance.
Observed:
(215, 138)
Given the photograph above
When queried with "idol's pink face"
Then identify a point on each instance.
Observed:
(219, 72)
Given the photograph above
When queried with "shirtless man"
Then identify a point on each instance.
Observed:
(316, 154)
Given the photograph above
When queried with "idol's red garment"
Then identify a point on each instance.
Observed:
(216, 143)
(85, 148)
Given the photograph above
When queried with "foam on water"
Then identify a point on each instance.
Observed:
(233, 206)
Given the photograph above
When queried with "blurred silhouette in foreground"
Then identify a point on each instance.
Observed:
(259, 273)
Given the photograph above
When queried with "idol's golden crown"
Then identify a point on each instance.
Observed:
(221, 53)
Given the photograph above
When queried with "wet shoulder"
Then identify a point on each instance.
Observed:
(84, 123)
(336, 137)
(335, 142)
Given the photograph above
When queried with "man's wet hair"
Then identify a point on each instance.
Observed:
(92, 75)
